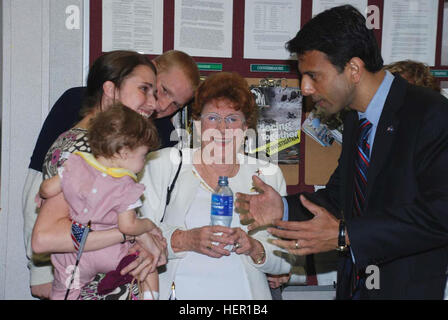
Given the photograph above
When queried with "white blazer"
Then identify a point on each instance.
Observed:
(159, 174)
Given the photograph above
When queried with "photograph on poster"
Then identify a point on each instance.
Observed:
(279, 118)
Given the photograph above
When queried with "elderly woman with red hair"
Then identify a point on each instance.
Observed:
(212, 262)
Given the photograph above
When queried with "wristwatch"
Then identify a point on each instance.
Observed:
(342, 245)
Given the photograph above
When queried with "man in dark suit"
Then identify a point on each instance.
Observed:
(385, 208)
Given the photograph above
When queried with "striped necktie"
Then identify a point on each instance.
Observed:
(362, 166)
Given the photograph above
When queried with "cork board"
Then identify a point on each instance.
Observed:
(290, 173)
(320, 162)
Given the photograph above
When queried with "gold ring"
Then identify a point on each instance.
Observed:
(297, 244)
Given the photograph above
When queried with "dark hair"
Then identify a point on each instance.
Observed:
(120, 127)
(113, 66)
(341, 33)
(226, 85)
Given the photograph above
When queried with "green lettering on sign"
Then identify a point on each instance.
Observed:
(440, 73)
(269, 68)
(209, 66)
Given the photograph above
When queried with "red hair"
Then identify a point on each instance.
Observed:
(230, 86)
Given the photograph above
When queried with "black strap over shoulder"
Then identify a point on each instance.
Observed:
(171, 187)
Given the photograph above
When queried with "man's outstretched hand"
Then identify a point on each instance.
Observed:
(320, 234)
(259, 209)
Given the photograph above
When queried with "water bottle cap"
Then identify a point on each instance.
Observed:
(223, 181)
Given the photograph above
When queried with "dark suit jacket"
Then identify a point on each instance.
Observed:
(65, 113)
(404, 227)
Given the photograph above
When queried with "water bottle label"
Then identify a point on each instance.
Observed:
(222, 205)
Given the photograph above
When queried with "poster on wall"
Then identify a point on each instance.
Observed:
(322, 5)
(133, 25)
(279, 119)
(268, 25)
(410, 30)
(204, 28)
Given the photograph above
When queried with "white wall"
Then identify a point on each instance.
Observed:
(1, 82)
(41, 59)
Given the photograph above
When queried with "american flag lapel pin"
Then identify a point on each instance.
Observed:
(390, 129)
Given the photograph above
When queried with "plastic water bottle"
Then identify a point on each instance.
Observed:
(222, 204)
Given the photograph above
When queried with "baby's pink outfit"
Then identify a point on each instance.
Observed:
(99, 197)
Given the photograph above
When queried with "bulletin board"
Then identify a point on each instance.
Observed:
(317, 163)
(236, 63)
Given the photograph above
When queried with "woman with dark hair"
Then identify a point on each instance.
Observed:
(118, 76)
(212, 262)
(124, 76)
(177, 78)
